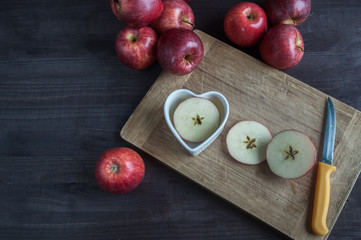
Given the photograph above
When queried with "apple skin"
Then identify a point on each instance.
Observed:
(292, 12)
(176, 14)
(137, 13)
(282, 46)
(119, 170)
(179, 51)
(136, 47)
(245, 24)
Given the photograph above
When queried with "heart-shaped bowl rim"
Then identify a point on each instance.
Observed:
(178, 96)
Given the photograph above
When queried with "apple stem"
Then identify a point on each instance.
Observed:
(187, 59)
(117, 5)
(114, 168)
(300, 48)
(250, 16)
(185, 21)
(132, 38)
(290, 21)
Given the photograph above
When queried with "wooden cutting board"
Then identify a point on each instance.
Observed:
(258, 92)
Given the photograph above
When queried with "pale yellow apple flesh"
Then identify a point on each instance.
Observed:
(247, 142)
(196, 119)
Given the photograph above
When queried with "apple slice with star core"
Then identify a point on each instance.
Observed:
(196, 119)
(291, 154)
(247, 142)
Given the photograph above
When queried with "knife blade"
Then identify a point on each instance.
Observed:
(325, 168)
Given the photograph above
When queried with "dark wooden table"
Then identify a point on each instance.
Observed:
(64, 97)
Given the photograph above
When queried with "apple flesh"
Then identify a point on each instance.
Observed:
(179, 51)
(282, 46)
(176, 14)
(196, 119)
(136, 47)
(137, 13)
(245, 24)
(291, 154)
(247, 142)
(119, 170)
(292, 12)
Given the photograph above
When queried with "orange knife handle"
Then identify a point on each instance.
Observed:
(322, 198)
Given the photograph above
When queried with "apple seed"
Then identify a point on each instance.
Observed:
(291, 153)
(250, 143)
(197, 120)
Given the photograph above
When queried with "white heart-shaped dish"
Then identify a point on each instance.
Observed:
(178, 96)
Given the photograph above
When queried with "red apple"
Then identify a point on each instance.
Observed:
(179, 51)
(119, 170)
(245, 24)
(176, 14)
(136, 47)
(282, 46)
(137, 13)
(291, 12)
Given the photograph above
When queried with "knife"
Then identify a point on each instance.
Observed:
(325, 168)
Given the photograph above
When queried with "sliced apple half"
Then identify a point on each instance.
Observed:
(196, 119)
(247, 142)
(291, 154)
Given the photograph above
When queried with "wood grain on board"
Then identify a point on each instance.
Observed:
(258, 92)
